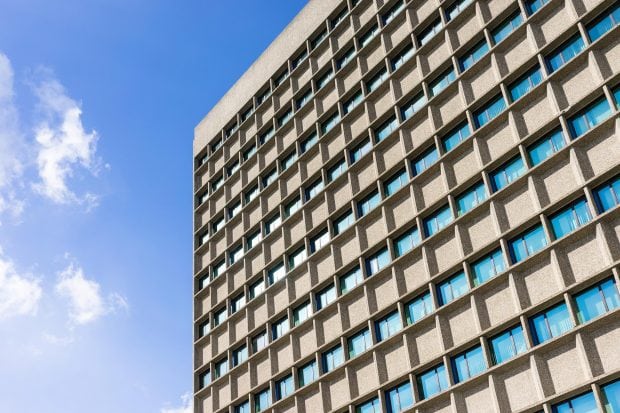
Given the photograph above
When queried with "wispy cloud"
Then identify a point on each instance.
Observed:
(19, 293)
(63, 144)
(187, 405)
(86, 302)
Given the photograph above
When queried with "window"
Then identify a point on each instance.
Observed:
(253, 239)
(272, 224)
(319, 39)
(236, 254)
(325, 297)
(309, 142)
(419, 308)
(330, 123)
(432, 381)
(374, 82)
(527, 244)
(338, 169)
(303, 99)
(507, 345)
(263, 96)
(365, 205)
(359, 343)
(507, 173)
(607, 21)
(587, 119)
(237, 303)
(204, 281)
(204, 379)
(468, 364)
(386, 128)
(442, 81)
(219, 268)
(569, 219)
(204, 328)
(533, 6)
(360, 150)
(288, 161)
(414, 105)
(308, 373)
(221, 368)
(472, 197)
(243, 408)
(313, 189)
(584, 403)
(395, 182)
(262, 400)
(239, 355)
(218, 224)
(219, 317)
(302, 313)
(525, 83)
(616, 93)
(546, 147)
(507, 27)
(402, 56)
(452, 288)
(597, 300)
(473, 55)
(393, 12)
(350, 280)
(232, 168)
(564, 53)
(456, 136)
(611, 393)
(355, 100)
(247, 113)
(425, 160)
(299, 59)
(323, 80)
(276, 273)
(368, 36)
(257, 289)
(319, 241)
(234, 210)
(407, 241)
(438, 221)
(456, 8)
(204, 237)
(371, 406)
(270, 177)
(489, 111)
(284, 387)
(251, 194)
(297, 257)
(266, 136)
(217, 183)
(346, 58)
(216, 145)
(388, 325)
(377, 262)
(488, 267)
(280, 79)
(399, 398)
(247, 154)
(343, 222)
(550, 323)
(279, 328)
(292, 207)
(607, 195)
(428, 33)
(259, 342)
(332, 358)
(339, 17)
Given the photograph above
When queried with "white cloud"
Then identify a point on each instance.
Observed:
(63, 145)
(19, 294)
(187, 405)
(86, 303)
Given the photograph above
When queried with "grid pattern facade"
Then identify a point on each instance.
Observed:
(418, 212)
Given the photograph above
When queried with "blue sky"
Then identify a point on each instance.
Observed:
(98, 101)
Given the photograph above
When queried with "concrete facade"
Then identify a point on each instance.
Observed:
(348, 212)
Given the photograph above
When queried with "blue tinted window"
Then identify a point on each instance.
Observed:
(571, 218)
(371, 406)
(471, 198)
(508, 344)
(425, 160)
(243, 408)
(508, 173)
(468, 364)
(407, 241)
(507, 27)
(404, 55)
(533, 5)
(337, 170)
(284, 387)
(432, 381)
(414, 105)
(550, 323)
(343, 222)
(597, 300)
(350, 280)
(607, 196)
(346, 58)
(608, 20)
(395, 182)
(589, 118)
(314, 189)
(399, 398)
(309, 142)
(262, 400)
(438, 221)
(527, 244)
(365, 205)
(488, 267)
(332, 358)
(616, 93)
(611, 393)
(361, 150)
(377, 261)
(429, 32)
(388, 326)
(580, 404)
(456, 136)
(564, 53)
(330, 123)
(386, 129)
(526, 83)
(325, 297)
(393, 12)
(473, 55)
(419, 308)
(546, 147)
(456, 8)
(359, 343)
(307, 373)
(488, 112)
(442, 81)
(452, 288)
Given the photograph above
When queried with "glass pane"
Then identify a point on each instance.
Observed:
(559, 320)
(612, 397)
(610, 292)
(590, 304)
(535, 240)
